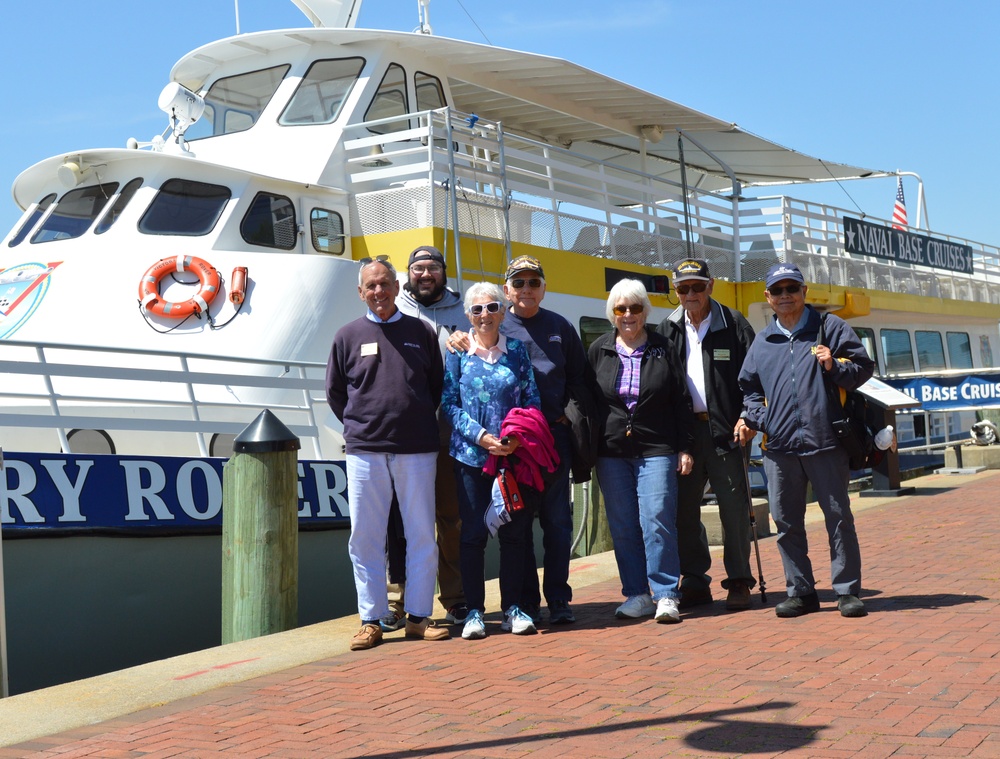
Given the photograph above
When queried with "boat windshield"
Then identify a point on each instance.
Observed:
(75, 212)
(234, 103)
(322, 92)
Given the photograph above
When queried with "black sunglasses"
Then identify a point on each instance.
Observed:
(790, 289)
(698, 287)
(634, 308)
(369, 260)
(493, 306)
(517, 284)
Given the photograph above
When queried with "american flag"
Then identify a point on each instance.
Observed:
(899, 210)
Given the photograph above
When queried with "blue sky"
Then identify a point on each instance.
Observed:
(884, 84)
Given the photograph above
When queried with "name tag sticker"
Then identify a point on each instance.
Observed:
(721, 354)
(369, 349)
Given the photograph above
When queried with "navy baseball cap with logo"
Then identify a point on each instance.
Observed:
(524, 263)
(780, 272)
(693, 269)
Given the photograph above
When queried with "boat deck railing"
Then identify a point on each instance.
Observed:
(196, 403)
(468, 176)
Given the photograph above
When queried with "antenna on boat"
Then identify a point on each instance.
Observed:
(423, 11)
(237, 2)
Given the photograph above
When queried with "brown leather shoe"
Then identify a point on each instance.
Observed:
(368, 636)
(426, 630)
(739, 596)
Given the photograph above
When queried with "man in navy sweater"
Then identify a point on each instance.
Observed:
(383, 382)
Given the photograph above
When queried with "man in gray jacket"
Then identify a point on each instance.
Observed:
(427, 296)
(783, 380)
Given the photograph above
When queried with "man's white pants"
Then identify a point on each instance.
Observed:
(371, 480)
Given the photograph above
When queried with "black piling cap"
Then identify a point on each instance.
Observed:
(265, 434)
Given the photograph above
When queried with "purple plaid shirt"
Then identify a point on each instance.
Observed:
(628, 375)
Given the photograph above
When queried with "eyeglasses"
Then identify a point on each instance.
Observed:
(698, 287)
(493, 306)
(369, 260)
(517, 284)
(634, 308)
(421, 269)
(790, 289)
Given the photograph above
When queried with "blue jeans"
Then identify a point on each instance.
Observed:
(640, 499)
(474, 496)
(555, 517)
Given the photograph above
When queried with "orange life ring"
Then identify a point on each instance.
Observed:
(149, 287)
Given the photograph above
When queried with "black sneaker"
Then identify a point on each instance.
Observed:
(560, 613)
(457, 614)
(796, 606)
(851, 606)
(694, 597)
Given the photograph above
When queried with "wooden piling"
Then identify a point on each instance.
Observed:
(260, 554)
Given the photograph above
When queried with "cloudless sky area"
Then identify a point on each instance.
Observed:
(883, 84)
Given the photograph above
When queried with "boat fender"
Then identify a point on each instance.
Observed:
(149, 287)
(238, 285)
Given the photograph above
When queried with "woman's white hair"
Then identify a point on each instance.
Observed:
(479, 289)
(630, 291)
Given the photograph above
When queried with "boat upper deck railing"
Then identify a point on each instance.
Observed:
(469, 176)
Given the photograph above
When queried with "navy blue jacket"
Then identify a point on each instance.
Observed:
(782, 382)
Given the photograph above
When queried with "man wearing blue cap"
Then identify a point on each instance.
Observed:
(785, 397)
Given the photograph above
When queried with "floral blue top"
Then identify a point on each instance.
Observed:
(477, 396)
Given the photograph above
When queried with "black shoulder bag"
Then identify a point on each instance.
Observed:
(849, 417)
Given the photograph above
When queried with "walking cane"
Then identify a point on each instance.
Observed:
(753, 524)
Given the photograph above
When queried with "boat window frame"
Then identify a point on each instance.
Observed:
(274, 221)
(304, 82)
(102, 192)
(120, 203)
(417, 87)
(220, 130)
(951, 352)
(161, 190)
(868, 341)
(891, 365)
(388, 127)
(32, 219)
(314, 235)
(920, 354)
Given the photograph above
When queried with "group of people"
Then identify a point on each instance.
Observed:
(440, 394)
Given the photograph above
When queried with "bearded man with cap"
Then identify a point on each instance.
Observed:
(783, 380)
(427, 296)
(712, 340)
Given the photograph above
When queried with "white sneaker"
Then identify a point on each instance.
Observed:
(517, 622)
(666, 611)
(635, 607)
(474, 626)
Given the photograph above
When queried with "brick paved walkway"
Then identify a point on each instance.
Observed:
(920, 676)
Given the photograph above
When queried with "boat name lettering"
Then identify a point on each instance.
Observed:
(943, 393)
(44, 491)
(867, 239)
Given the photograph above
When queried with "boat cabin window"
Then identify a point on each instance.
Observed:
(959, 350)
(117, 207)
(430, 93)
(270, 222)
(930, 350)
(985, 351)
(390, 100)
(75, 212)
(322, 92)
(327, 231)
(90, 441)
(592, 328)
(234, 103)
(867, 338)
(183, 207)
(37, 212)
(896, 350)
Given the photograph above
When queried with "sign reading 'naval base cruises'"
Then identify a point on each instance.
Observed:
(866, 239)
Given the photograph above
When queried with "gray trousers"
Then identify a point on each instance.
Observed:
(728, 480)
(828, 473)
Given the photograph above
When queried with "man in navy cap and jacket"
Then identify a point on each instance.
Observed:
(784, 381)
